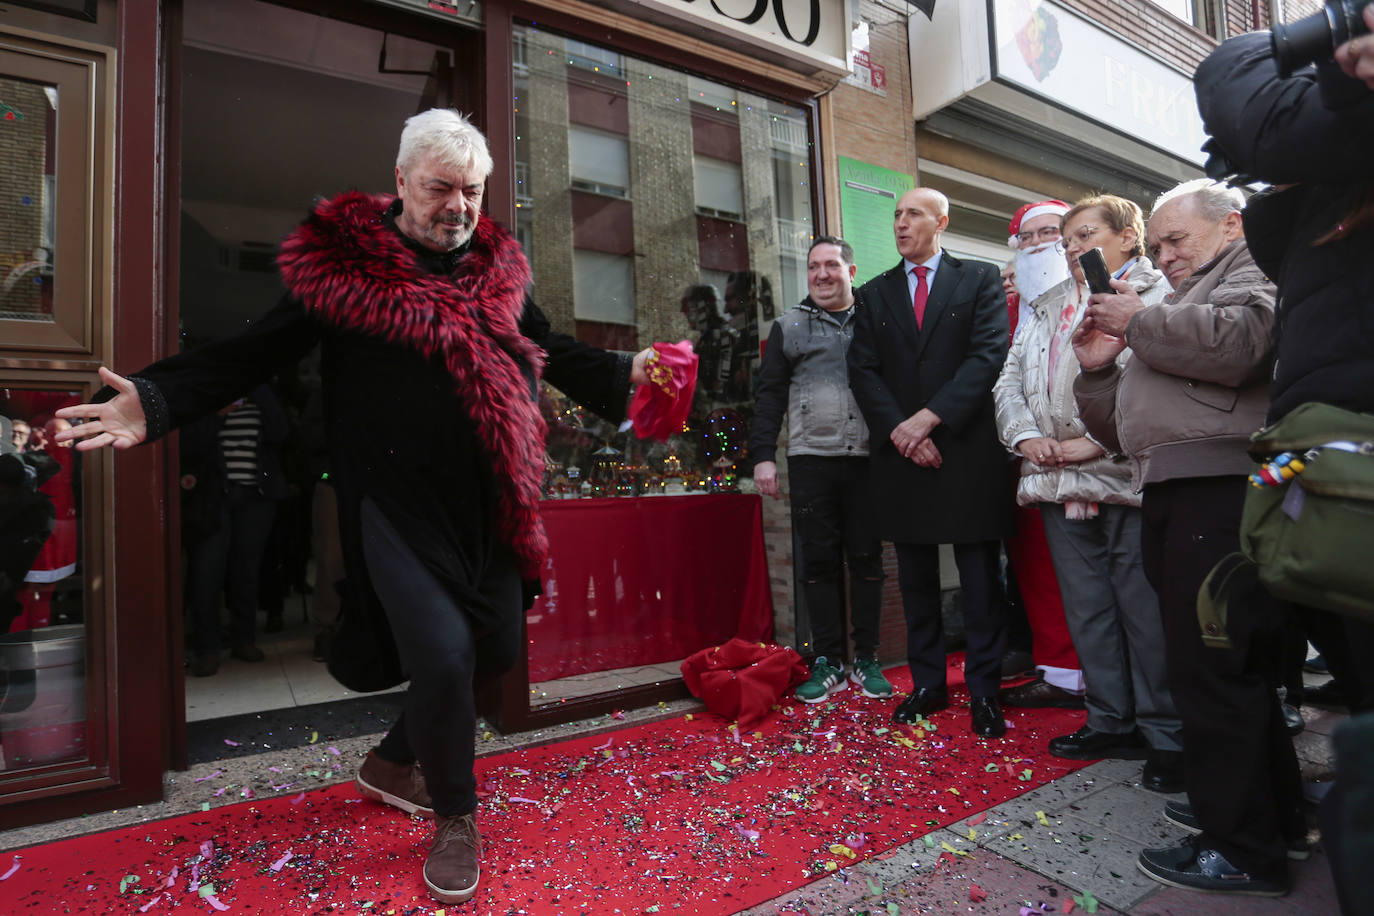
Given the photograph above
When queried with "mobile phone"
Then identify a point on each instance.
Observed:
(1095, 271)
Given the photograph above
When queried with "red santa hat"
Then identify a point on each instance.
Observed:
(1031, 211)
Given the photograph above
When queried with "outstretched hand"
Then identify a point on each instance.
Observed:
(119, 422)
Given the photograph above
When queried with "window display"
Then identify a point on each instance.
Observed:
(656, 206)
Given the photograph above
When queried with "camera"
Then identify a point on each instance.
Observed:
(1316, 37)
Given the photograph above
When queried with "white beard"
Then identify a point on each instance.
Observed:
(1039, 269)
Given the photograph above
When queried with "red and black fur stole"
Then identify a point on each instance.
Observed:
(353, 271)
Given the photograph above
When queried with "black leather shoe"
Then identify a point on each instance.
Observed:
(987, 717)
(1163, 772)
(1017, 663)
(1091, 744)
(1193, 866)
(920, 704)
(1041, 694)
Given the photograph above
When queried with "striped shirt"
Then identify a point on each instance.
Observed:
(238, 441)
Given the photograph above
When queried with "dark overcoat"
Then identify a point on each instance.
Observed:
(948, 365)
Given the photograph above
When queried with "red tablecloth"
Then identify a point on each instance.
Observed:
(648, 580)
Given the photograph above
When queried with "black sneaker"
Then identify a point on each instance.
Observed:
(1194, 867)
(1180, 814)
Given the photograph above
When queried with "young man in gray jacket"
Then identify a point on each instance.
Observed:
(804, 375)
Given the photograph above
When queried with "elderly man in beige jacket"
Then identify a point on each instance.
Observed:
(1182, 408)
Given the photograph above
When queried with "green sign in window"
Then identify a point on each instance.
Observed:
(868, 197)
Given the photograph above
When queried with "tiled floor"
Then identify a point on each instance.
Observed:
(289, 677)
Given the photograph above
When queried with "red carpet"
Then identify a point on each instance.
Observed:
(674, 816)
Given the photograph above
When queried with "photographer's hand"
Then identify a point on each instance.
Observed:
(1356, 56)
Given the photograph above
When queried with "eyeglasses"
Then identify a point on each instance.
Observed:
(1043, 234)
(1085, 233)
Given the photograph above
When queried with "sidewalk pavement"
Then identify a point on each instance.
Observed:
(1073, 841)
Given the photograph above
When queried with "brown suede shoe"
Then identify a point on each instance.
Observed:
(451, 870)
(393, 784)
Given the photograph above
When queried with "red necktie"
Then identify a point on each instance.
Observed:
(918, 302)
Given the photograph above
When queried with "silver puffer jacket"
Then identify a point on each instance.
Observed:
(1029, 405)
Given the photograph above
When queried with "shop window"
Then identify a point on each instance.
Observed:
(600, 161)
(649, 205)
(718, 187)
(670, 205)
(53, 197)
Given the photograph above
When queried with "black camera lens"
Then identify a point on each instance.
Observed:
(1317, 37)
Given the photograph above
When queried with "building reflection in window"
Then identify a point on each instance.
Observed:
(28, 193)
(656, 206)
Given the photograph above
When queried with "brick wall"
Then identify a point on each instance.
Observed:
(1297, 9)
(1149, 26)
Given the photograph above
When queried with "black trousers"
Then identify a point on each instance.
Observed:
(228, 562)
(447, 661)
(918, 575)
(831, 514)
(1242, 774)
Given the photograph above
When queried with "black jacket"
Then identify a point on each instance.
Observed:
(948, 365)
(1316, 132)
(398, 434)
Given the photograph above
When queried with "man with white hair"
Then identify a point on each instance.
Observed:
(1182, 408)
(422, 310)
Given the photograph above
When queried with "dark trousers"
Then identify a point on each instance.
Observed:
(1242, 774)
(1346, 815)
(831, 515)
(446, 660)
(918, 575)
(228, 561)
(1347, 645)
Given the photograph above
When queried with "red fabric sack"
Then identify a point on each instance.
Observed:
(742, 680)
(659, 409)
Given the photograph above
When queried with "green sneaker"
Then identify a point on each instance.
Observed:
(824, 681)
(868, 674)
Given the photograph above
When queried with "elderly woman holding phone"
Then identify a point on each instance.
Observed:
(1091, 512)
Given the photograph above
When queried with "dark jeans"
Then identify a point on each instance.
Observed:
(830, 511)
(229, 560)
(1242, 773)
(918, 574)
(447, 662)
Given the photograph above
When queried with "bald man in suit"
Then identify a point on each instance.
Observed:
(929, 340)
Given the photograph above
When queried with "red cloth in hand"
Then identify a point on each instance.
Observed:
(659, 409)
(742, 680)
